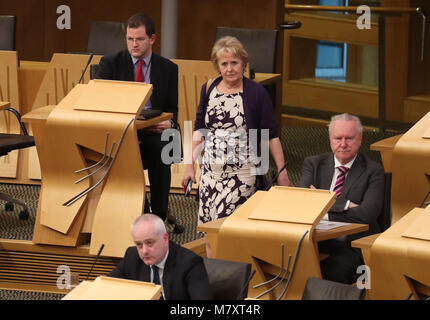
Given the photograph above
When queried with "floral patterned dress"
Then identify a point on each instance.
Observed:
(226, 181)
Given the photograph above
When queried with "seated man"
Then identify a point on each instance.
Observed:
(359, 186)
(156, 259)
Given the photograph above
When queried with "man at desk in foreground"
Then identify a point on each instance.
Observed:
(180, 271)
(359, 186)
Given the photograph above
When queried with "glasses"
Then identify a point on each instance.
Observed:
(137, 40)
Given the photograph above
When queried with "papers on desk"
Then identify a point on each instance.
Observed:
(328, 225)
(426, 134)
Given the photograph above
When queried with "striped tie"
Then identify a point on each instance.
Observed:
(340, 180)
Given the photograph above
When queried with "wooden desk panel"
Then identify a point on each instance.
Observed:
(30, 77)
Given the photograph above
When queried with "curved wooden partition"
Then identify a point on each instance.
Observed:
(93, 127)
(281, 219)
(410, 164)
(401, 256)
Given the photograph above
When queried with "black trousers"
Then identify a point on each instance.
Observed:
(343, 261)
(159, 173)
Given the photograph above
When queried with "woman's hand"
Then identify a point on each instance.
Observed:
(189, 174)
(283, 179)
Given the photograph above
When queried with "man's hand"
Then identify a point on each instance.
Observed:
(159, 127)
(352, 205)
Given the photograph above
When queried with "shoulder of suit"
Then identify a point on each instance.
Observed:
(369, 162)
(320, 156)
(183, 252)
(116, 55)
(131, 251)
(159, 59)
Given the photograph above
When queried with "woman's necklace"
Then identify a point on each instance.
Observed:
(231, 89)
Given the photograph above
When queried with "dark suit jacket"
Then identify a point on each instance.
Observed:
(364, 185)
(184, 275)
(164, 78)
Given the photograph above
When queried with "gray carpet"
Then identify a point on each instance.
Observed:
(298, 142)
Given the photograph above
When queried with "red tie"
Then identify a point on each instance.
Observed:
(340, 180)
(139, 73)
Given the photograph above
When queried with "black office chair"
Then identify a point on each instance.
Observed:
(259, 43)
(320, 289)
(7, 33)
(229, 280)
(106, 37)
(94, 68)
(384, 219)
(10, 142)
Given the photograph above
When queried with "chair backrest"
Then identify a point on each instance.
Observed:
(320, 289)
(7, 33)
(228, 279)
(384, 219)
(94, 68)
(259, 43)
(106, 37)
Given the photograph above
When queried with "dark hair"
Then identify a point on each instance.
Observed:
(141, 19)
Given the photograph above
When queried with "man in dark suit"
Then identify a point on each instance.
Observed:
(359, 186)
(139, 63)
(180, 271)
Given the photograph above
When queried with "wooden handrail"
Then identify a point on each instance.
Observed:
(388, 10)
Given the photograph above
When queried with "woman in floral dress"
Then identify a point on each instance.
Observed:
(232, 108)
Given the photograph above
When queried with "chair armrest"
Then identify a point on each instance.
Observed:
(18, 116)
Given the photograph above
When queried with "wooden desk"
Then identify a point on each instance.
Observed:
(365, 244)
(275, 78)
(267, 78)
(30, 77)
(267, 233)
(212, 228)
(121, 196)
(385, 148)
(4, 105)
(40, 115)
(400, 253)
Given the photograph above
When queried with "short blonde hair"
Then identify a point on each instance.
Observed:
(231, 45)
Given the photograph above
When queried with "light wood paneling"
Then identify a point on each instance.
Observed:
(26, 266)
(8, 122)
(359, 100)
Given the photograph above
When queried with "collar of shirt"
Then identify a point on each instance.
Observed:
(160, 266)
(348, 165)
(146, 59)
